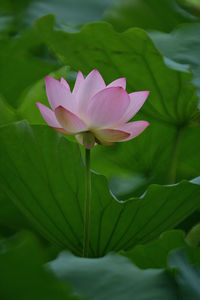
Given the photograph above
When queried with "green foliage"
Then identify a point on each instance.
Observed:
(38, 191)
(17, 57)
(112, 277)
(193, 237)
(161, 15)
(119, 279)
(186, 276)
(11, 219)
(19, 15)
(66, 11)
(42, 173)
(183, 46)
(155, 253)
(22, 274)
(132, 55)
(174, 119)
(7, 113)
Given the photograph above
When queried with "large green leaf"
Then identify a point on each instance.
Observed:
(22, 274)
(43, 174)
(112, 277)
(161, 15)
(130, 54)
(171, 108)
(183, 46)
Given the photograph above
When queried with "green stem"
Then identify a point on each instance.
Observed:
(87, 204)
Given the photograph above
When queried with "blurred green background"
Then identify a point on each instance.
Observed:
(155, 44)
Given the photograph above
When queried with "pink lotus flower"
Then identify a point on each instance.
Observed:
(93, 112)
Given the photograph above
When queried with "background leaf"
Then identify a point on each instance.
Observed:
(22, 277)
(20, 15)
(66, 12)
(155, 254)
(148, 14)
(112, 277)
(186, 276)
(181, 45)
(21, 66)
